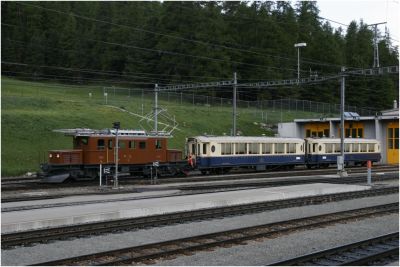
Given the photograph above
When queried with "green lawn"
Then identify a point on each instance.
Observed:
(31, 110)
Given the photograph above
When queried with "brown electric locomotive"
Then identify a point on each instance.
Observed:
(138, 151)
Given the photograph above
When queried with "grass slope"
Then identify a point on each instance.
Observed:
(31, 110)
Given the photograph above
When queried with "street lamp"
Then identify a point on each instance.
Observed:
(298, 45)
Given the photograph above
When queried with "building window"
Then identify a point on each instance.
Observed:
(158, 144)
(308, 133)
(100, 144)
(142, 145)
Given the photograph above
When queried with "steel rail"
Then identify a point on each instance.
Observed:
(358, 253)
(56, 233)
(29, 181)
(197, 187)
(138, 254)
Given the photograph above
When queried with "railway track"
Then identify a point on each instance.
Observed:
(375, 251)
(145, 253)
(201, 187)
(71, 231)
(15, 184)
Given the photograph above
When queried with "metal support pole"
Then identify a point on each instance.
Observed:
(100, 174)
(369, 172)
(234, 104)
(156, 109)
(298, 64)
(116, 159)
(342, 171)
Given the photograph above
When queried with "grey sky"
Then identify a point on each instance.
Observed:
(369, 11)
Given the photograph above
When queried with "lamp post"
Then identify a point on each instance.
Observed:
(298, 45)
(116, 126)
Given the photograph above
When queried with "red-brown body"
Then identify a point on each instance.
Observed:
(135, 154)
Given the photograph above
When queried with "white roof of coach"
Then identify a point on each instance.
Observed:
(337, 140)
(243, 139)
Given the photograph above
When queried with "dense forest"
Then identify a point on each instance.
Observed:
(139, 44)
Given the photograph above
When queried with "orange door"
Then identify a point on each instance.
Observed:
(393, 143)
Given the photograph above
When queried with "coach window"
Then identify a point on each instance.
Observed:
(110, 144)
(363, 147)
(226, 149)
(290, 148)
(337, 147)
(346, 147)
(314, 148)
(142, 145)
(267, 148)
(356, 148)
(254, 148)
(132, 144)
(158, 144)
(319, 148)
(279, 148)
(204, 149)
(213, 149)
(371, 147)
(241, 148)
(328, 148)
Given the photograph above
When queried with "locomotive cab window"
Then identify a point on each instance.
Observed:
(110, 144)
(132, 144)
(121, 144)
(158, 144)
(142, 145)
(100, 144)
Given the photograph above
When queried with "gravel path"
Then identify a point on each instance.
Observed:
(306, 240)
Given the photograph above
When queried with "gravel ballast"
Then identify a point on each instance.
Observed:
(308, 240)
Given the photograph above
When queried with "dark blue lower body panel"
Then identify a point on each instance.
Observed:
(233, 161)
(351, 157)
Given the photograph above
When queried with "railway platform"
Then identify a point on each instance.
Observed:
(121, 207)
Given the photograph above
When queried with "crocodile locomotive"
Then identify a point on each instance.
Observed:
(138, 151)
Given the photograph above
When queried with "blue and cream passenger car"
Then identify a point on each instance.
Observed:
(320, 152)
(218, 154)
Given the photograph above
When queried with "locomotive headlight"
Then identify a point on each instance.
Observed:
(58, 155)
(50, 155)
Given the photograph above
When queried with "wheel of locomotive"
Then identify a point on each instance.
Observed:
(203, 172)
(309, 166)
